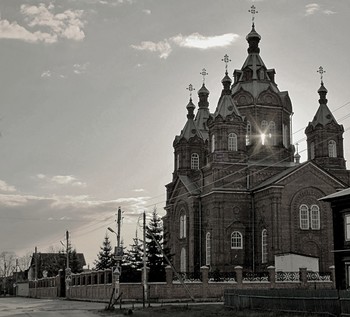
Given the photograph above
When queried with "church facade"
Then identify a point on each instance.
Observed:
(239, 194)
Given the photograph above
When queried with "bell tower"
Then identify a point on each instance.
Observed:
(325, 135)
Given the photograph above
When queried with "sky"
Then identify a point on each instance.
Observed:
(93, 92)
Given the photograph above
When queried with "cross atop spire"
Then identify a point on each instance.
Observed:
(253, 12)
(226, 60)
(190, 89)
(204, 73)
(321, 71)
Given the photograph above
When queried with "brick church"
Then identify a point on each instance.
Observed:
(239, 194)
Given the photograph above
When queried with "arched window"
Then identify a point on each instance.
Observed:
(207, 249)
(232, 142)
(264, 246)
(304, 217)
(178, 161)
(183, 260)
(264, 132)
(236, 240)
(195, 161)
(272, 133)
(312, 150)
(315, 217)
(213, 143)
(249, 133)
(183, 226)
(332, 148)
(285, 135)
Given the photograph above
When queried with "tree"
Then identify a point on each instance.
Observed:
(154, 232)
(133, 259)
(105, 257)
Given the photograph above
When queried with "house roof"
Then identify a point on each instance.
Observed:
(340, 194)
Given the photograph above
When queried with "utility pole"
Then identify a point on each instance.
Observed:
(145, 286)
(36, 271)
(68, 270)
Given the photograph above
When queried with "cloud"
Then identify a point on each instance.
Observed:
(194, 40)
(46, 26)
(197, 40)
(4, 187)
(162, 47)
(147, 11)
(313, 8)
(80, 68)
(46, 73)
(139, 190)
(16, 32)
(62, 180)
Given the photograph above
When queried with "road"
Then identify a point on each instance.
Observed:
(30, 307)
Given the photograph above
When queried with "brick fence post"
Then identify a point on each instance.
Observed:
(205, 281)
(205, 274)
(239, 275)
(169, 275)
(272, 276)
(332, 268)
(303, 276)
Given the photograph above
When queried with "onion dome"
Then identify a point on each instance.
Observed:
(253, 39)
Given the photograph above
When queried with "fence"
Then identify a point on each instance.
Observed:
(98, 285)
(321, 301)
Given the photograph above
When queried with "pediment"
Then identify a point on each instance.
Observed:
(269, 97)
(243, 98)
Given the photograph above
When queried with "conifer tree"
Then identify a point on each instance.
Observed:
(104, 257)
(133, 256)
(154, 231)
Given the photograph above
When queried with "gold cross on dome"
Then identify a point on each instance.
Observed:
(204, 73)
(253, 12)
(321, 71)
(190, 89)
(226, 60)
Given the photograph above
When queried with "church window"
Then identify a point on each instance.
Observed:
(264, 246)
(195, 161)
(315, 217)
(312, 150)
(183, 260)
(178, 161)
(207, 249)
(232, 142)
(264, 126)
(249, 133)
(183, 226)
(332, 148)
(236, 240)
(347, 227)
(213, 143)
(272, 133)
(309, 217)
(304, 217)
(285, 135)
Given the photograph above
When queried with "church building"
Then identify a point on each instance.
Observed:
(239, 195)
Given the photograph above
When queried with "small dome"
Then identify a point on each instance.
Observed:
(226, 79)
(203, 90)
(253, 34)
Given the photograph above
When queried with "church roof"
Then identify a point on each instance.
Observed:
(189, 184)
(190, 129)
(226, 107)
(276, 179)
(323, 115)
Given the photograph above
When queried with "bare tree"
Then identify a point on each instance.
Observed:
(7, 263)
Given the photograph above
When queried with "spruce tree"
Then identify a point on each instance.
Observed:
(154, 231)
(104, 257)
